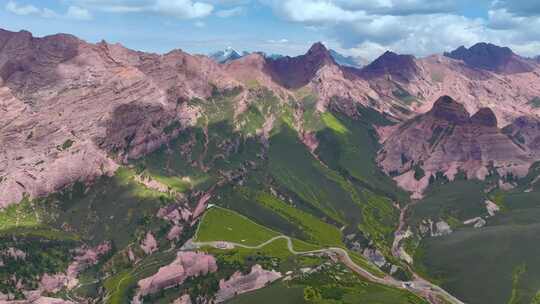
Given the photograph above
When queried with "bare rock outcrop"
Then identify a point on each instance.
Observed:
(149, 245)
(14, 253)
(86, 257)
(434, 229)
(476, 222)
(53, 283)
(175, 213)
(186, 265)
(185, 299)
(491, 208)
(238, 283)
(174, 233)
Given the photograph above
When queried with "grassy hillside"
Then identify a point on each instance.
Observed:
(454, 202)
(319, 187)
(46, 251)
(495, 263)
(350, 147)
(220, 224)
(115, 208)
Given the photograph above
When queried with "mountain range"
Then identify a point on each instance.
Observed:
(227, 55)
(138, 171)
(230, 54)
(350, 61)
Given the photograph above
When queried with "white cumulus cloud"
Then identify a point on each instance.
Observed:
(182, 9)
(185, 9)
(419, 27)
(279, 41)
(73, 12)
(22, 10)
(232, 12)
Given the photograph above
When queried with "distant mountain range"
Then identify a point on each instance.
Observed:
(227, 55)
(230, 54)
(491, 57)
(351, 61)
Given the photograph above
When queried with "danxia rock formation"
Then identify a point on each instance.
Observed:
(73, 111)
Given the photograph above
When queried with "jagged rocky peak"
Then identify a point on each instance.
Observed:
(390, 60)
(295, 72)
(227, 55)
(317, 47)
(392, 63)
(447, 140)
(487, 50)
(490, 57)
(448, 109)
(319, 51)
(484, 117)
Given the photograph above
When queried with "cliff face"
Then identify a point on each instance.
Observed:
(72, 110)
(525, 132)
(447, 140)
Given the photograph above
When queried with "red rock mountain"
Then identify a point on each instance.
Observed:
(399, 85)
(446, 140)
(73, 110)
(525, 132)
(399, 66)
(296, 72)
(315, 72)
(67, 106)
(491, 57)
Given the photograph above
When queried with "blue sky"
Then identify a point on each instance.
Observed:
(354, 27)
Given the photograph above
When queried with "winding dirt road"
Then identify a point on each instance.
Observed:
(419, 286)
